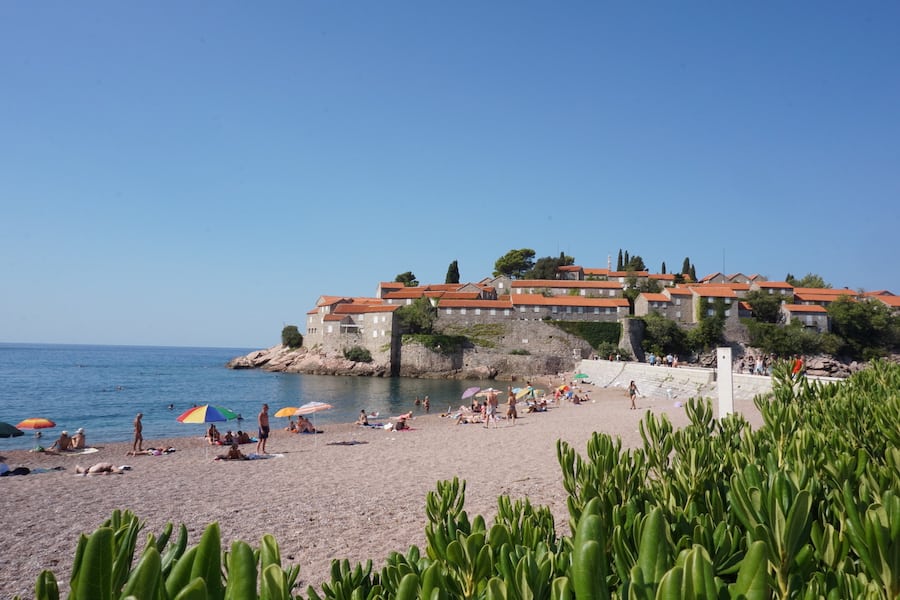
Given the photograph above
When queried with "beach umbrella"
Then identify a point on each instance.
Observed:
(311, 408)
(487, 392)
(528, 391)
(287, 411)
(36, 423)
(581, 376)
(7, 430)
(470, 392)
(206, 413)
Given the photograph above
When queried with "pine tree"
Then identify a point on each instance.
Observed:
(619, 263)
(693, 273)
(686, 266)
(627, 260)
(663, 269)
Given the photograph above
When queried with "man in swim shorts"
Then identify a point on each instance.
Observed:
(263, 420)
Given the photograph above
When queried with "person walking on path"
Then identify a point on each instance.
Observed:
(263, 420)
(138, 445)
(632, 393)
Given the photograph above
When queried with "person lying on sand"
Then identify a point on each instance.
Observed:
(101, 468)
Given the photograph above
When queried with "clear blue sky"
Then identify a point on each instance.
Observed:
(198, 173)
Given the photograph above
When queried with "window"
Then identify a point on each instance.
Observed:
(568, 310)
(537, 309)
(596, 310)
(493, 311)
(505, 312)
(462, 311)
(677, 301)
(728, 313)
(449, 311)
(727, 300)
(330, 328)
(580, 310)
(477, 311)
(677, 314)
(374, 334)
(711, 312)
(521, 309)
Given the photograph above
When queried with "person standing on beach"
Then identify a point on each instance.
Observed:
(511, 406)
(263, 420)
(632, 393)
(138, 444)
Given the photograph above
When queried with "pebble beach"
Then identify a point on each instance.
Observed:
(351, 492)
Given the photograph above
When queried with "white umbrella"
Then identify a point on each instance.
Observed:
(311, 408)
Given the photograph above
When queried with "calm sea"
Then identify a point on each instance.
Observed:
(102, 388)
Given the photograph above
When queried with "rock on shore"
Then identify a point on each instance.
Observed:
(282, 359)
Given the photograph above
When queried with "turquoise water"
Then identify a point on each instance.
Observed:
(102, 388)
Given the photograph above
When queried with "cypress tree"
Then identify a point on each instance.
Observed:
(452, 273)
(619, 261)
(663, 269)
(686, 266)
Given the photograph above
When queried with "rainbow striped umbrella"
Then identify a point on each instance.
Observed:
(206, 413)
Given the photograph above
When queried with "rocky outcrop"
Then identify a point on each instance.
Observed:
(282, 359)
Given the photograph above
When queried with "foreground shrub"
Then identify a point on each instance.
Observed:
(358, 354)
(808, 506)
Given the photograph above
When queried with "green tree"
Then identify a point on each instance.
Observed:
(635, 263)
(766, 307)
(291, 337)
(452, 273)
(663, 269)
(548, 267)
(619, 263)
(662, 335)
(515, 263)
(418, 317)
(407, 279)
(867, 329)
(693, 273)
(710, 330)
(686, 266)
(810, 280)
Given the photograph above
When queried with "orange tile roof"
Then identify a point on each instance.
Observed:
(565, 283)
(712, 276)
(569, 268)
(392, 284)
(454, 295)
(892, 301)
(656, 297)
(629, 273)
(461, 303)
(596, 272)
(540, 300)
(357, 309)
(745, 306)
(825, 291)
(817, 297)
(714, 291)
(811, 308)
(679, 291)
(334, 317)
(663, 276)
(774, 284)
(878, 293)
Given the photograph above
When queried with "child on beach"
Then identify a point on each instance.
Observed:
(632, 393)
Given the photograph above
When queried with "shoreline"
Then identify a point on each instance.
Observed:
(354, 493)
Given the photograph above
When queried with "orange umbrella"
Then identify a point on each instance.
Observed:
(36, 423)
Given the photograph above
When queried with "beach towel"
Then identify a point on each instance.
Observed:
(81, 451)
(349, 443)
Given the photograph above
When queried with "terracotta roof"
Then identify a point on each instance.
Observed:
(810, 308)
(596, 272)
(405, 294)
(714, 291)
(892, 301)
(334, 317)
(679, 291)
(392, 284)
(774, 284)
(326, 300)
(357, 309)
(809, 297)
(825, 291)
(629, 273)
(569, 268)
(663, 276)
(461, 303)
(566, 283)
(444, 296)
(540, 300)
(712, 276)
(878, 293)
(656, 297)
(745, 306)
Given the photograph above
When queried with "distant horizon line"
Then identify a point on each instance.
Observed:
(98, 345)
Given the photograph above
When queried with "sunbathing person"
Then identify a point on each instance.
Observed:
(362, 419)
(304, 425)
(243, 437)
(292, 427)
(101, 468)
(78, 441)
(228, 439)
(212, 434)
(234, 453)
(62, 444)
